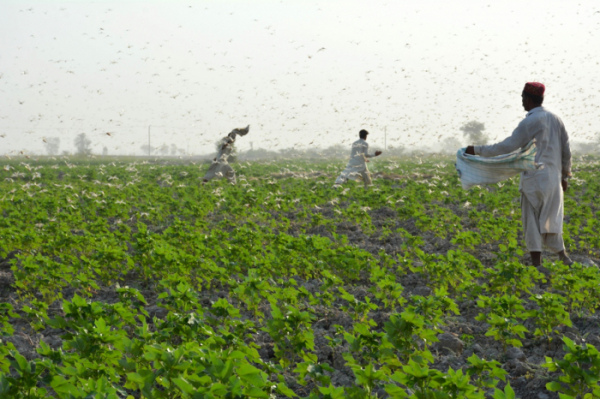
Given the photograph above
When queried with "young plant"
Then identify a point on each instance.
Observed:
(508, 392)
(368, 377)
(38, 314)
(486, 373)
(457, 385)
(513, 277)
(433, 307)
(23, 383)
(417, 377)
(409, 336)
(363, 343)
(291, 332)
(551, 314)
(360, 310)
(314, 372)
(386, 289)
(467, 240)
(510, 252)
(251, 291)
(502, 315)
(180, 298)
(580, 371)
(6, 313)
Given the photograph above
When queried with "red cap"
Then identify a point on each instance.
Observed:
(535, 88)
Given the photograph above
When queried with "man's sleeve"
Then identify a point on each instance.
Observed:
(566, 152)
(520, 137)
(366, 150)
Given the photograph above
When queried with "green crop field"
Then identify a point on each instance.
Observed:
(131, 280)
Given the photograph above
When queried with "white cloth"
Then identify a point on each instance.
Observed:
(357, 165)
(541, 187)
(220, 167)
(474, 170)
(534, 240)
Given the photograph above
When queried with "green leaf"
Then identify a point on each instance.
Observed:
(508, 393)
(554, 386)
(63, 386)
(184, 385)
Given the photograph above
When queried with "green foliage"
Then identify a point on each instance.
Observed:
(358, 309)
(486, 373)
(6, 312)
(23, 384)
(385, 287)
(433, 307)
(453, 272)
(291, 332)
(579, 284)
(579, 369)
(513, 277)
(503, 314)
(551, 314)
(407, 332)
(313, 372)
(227, 284)
(508, 392)
(430, 383)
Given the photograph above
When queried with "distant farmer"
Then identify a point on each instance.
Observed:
(542, 204)
(220, 167)
(357, 166)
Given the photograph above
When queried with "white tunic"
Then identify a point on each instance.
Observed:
(357, 165)
(541, 187)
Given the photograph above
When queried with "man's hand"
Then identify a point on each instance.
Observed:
(564, 184)
(378, 153)
(470, 150)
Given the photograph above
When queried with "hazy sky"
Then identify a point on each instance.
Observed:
(301, 73)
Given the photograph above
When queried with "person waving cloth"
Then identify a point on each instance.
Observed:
(220, 167)
(357, 165)
(542, 201)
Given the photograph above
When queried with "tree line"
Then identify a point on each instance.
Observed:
(83, 146)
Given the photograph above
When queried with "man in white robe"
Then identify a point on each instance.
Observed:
(542, 202)
(220, 167)
(357, 166)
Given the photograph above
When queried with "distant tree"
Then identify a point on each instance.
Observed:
(145, 149)
(395, 150)
(82, 144)
(473, 131)
(52, 144)
(173, 149)
(336, 150)
(104, 151)
(164, 149)
(450, 145)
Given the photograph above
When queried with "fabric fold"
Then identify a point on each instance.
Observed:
(475, 170)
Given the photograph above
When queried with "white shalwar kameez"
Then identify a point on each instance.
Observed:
(542, 202)
(220, 167)
(357, 166)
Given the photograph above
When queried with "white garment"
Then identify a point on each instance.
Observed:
(534, 240)
(541, 187)
(357, 165)
(474, 170)
(220, 167)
